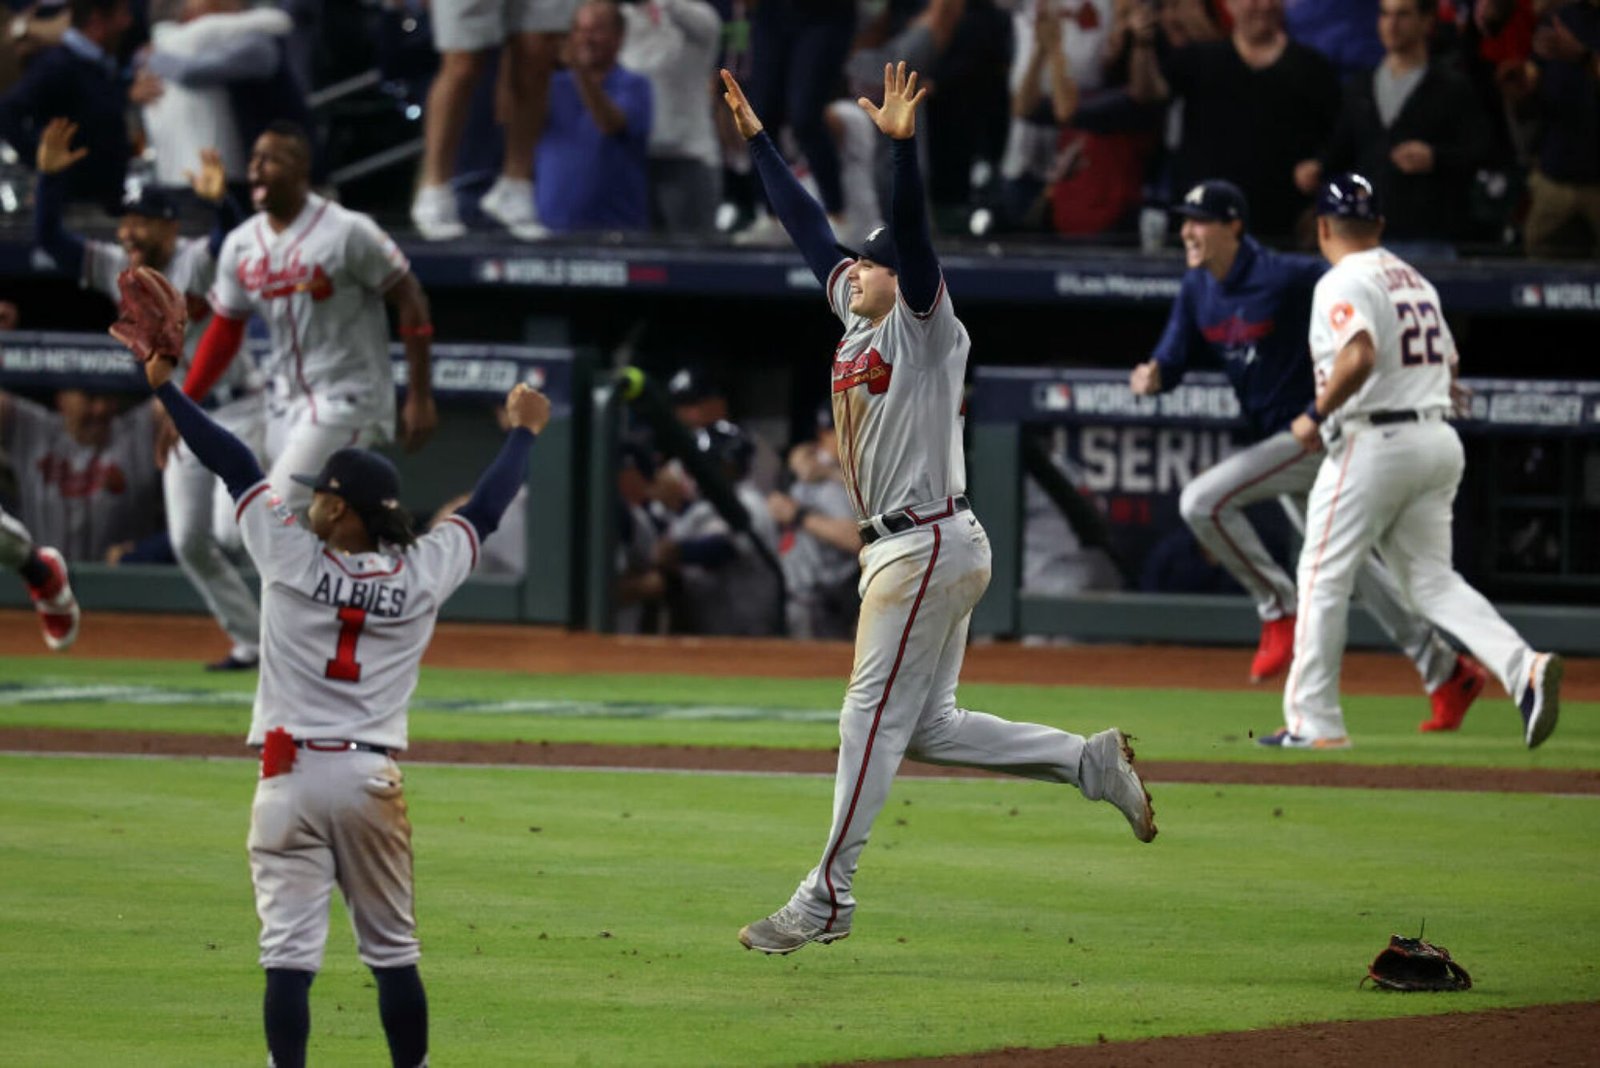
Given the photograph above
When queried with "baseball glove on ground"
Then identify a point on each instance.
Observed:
(1412, 964)
(152, 314)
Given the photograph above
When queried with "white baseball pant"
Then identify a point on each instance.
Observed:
(299, 445)
(15, 541)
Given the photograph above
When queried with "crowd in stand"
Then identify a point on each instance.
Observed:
(1478, 120)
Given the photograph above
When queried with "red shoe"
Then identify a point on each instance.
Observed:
(1451, 701)
(1276, 648)
(58, 609)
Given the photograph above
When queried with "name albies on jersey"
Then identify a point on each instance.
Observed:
(341, 635)
(897, 402)
(1377, 292)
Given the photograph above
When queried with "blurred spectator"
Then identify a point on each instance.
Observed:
(698, 400)
(1413, 127)
(79, 79)
(969, 109)
(1560, 88)
(86, 475)
(722, 582)
(591, 159)
(9, 316)
(674, 43)
(33, 29)
(222, 75)
(1345, 32)
(1254, 106)
(640, 585)
(822, 541)
(1044, 94)
(529, 34)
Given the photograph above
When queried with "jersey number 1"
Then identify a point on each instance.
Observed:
(1419, 338)
(344, 666)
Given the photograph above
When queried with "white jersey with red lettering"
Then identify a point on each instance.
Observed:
(897, 402)
(342, 636)
(319, 286)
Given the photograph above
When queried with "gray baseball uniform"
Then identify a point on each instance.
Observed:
(738, 596)
(199, 512)
(821, 578)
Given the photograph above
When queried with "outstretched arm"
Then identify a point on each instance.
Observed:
(216, 350)
(54, 156)
(799, 212)
(210, 184)
(529, 411)
(908, 218)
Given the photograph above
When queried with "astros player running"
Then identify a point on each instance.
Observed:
(348, 606)
(319, 276)
(1246, 309)
(897, 377)
(148, 236)
(1383, 355)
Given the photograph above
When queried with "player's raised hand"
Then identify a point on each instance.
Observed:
(527, 407)
(56, 153)
(744, 116)
(210, 182)
(1146, 378)
(898, 115)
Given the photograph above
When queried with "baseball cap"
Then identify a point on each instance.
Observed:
(691, 384)
(150, 202)
(1214, 200)
(1349, 196)
(878, 247)
(366, 480)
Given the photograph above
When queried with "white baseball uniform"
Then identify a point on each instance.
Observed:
(1387, 482)
(199, 511)
(342, 638)
(739, 596)
(897, 389)
(319, 286)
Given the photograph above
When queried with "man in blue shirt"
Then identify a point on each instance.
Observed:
(1246, 309)
(591, 161)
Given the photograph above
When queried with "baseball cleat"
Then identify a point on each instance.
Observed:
(1541, 698)
(234, 663)
(1275, 650)
(57, 607)
(1282, 739)
(1107, 775)
(1451, 700)
(786, 931)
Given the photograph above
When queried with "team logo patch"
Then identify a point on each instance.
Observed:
(1341, 315)
(280, 511)
(867, 369)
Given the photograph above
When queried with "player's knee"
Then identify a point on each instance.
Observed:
(1196, 504)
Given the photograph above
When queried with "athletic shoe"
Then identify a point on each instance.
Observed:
(1541, 698)
(1282, 739)
(1451, 701)
(57, 607)
(786, 931)
(1106, 774)
(234, 663)
(509, 202)
(433, 213)
(1276, 648)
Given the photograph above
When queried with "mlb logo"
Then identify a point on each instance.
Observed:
(1056, 397)
(492, 271)
(1530, 296)
(534, 377)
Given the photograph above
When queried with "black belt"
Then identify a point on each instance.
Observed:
(903, 520)
(1409, 415)
(339, 745)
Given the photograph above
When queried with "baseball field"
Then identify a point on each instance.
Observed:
(595, 818)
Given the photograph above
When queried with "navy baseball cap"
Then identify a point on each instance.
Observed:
(366, 480)
(150, 202)
(878, 247)
(691, 384)
(1349, 196)
(1214, 201)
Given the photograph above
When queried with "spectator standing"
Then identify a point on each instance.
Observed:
(1345, 32)
(592, 157)
(1413, 127)
(1255, 105)
(81, 80)
(529, 34)
(674, 43)
(822, 541)
(1560, 87)
(1044, 92)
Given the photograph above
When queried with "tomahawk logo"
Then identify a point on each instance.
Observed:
(1195, 195)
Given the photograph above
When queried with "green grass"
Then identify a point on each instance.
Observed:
(1170, 724)
(589, 918)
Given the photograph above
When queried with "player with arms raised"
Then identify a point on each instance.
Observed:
(1384, 358)
(348, 605)
(897, 381)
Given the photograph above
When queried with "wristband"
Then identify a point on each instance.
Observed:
(1314, 415)
(423, 330)
(800, 513)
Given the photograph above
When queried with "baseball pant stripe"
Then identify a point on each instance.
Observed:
(872, 735)
(1216, 519)
(1304, 626)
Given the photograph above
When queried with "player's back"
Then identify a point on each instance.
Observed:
(342, 635)
(1377, 292)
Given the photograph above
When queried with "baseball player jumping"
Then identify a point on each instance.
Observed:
(1246, 309)
(319, 275)
(44, 575)
(1384, 357)
(897, 379)
(348, 605)
(148, 235)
